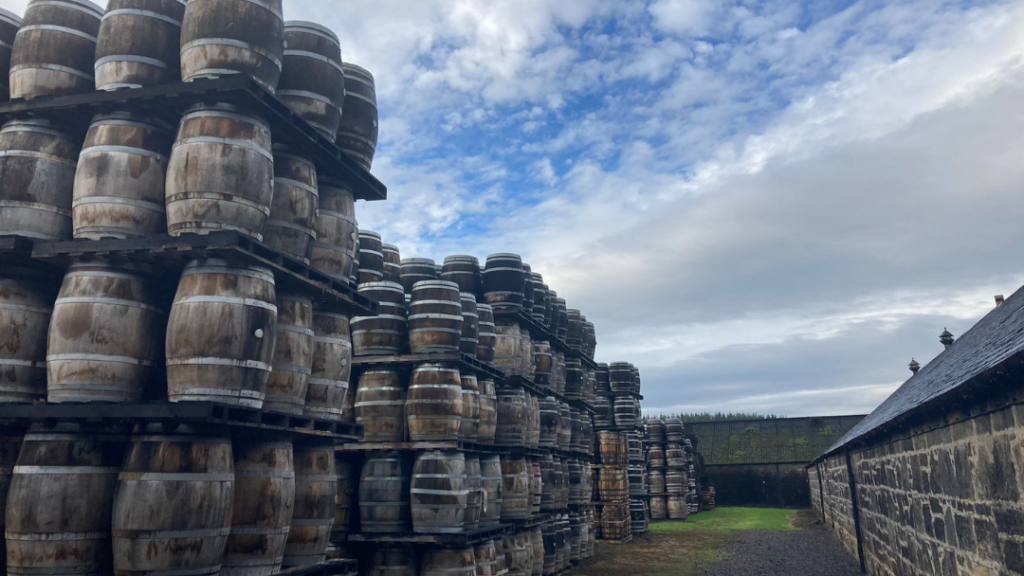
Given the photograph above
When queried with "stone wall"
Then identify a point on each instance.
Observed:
(945, 498)
(775, 485)
(815, 487)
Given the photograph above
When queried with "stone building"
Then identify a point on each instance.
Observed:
(763, 462)
(932, 482)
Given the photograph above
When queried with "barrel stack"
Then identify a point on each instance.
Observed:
(180, 375)
(672, 477)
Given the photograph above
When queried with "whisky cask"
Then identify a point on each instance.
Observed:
(508, 348)
(435, 317)
(138, 44)
(438, 493)
(433, 408)
(491, 484)
(221, 171)
(380, 405)
(105, 335)
(172, 506)
(464, 271)
(357, 131)
(625, 411)
(469, 426)
(332, 365)
(262, 511)
(392, 263)
(503, 280)
(337, 232)
(346, 501)
(220, 333)
(316, 487)
(9, 24)
(674, 430)
(535, 484)
(675, 481)
(488, 412)
(54, 48)
(486, 334)
(26, 304)
(655, 431)
(449, 562)
(613, 448)
(474, 493)
(293, 355)
(549, 420)
(659, 508)
(293, 208)
(212, 47)
(656, 481)
(371, 257)
(515, 497)
(485, 559)
(312, 81)
(677, 507)
(573, 379)
(511, 423)
(415, 270)
(470, 340)
(386, 333)
(543, 362)
(37, 179)
(393, 560)
(119, 183)
(384, 494)
(656, 457)
(675, 457)
(537, 541)
(10, 446)
(59, 501)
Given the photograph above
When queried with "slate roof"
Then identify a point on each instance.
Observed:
(789, 440)
(993, 341)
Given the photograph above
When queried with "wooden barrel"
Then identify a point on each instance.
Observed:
(371, 257)
(655, 431)
(293, 355)
(562, 541)
(576, 430)
(656, 456)
(433, 410)
(357, 131)
(469, 426)
(172, 507)
(474, 493)
(503, 280)
(312, 80)
(511, 424)
(543, 362)
(613, 448)
(470, 339)
(386, 333)
(293, 209)
(573, 379)
(439, 493)
(119, 183)
(528, 289)
(392, 263)
(547, 474)
(464, 271)
(637, 517)
(488, 412)
(540, 300)
(533, 421)
(485, 559)
(9, 24)
(105, 335)
(549, 419)
(587, 433)
(515, 488)
(435, 317)
(576, 495)
(138, 44)
(674, 430)
(334, 249)
(537, 542)
(675, 457)
(211, 47)
(635, 445)
(220, 334)
(221, 171)
(656, 481)
(624, 410)
(508, 348)
(262, 510)
(564, 424)
(659, 508)
(380, 405)
(449, 562)
(637, 486)
(53, 49)
(316, 487)
(536, 485)
(10, 446)
(526, 353)
(499, 556)
(37, 175)
(574, 332)
(603, 386)
(393, 560)
(384, 493)
(415, 270)
(590, 339)
(675, 481)
(677, 508)
(491, 484)
(26, 303)
(575, 534)
(620, 377)
(549, 539)
(348, 483)
(486, 333)
(521, 554)
(615, 522)
(58, 504)
(563, 481)
(332, 365)
(563, 318)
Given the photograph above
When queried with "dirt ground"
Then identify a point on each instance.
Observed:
(682, 553)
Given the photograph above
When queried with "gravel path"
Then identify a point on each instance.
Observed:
(808, 552)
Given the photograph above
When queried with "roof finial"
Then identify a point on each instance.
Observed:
(946, 338)
(914, 366)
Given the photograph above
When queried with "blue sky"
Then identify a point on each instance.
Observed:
(765, 205)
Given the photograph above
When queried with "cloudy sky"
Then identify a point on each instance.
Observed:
(766, 205)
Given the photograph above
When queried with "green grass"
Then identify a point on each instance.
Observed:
(729, 519)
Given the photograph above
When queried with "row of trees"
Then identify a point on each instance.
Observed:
(688, 417)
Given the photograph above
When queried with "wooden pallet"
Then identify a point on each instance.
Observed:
(168, 102)
(456, 445)
(407, 361)
(532, 521)
(524, 319)
(514, 381)
(169, 254)
(461, 539)
(343, 567)
(626, 540)
(243, 422)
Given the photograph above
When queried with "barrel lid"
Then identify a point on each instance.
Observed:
(461, 258)
(126, 115)
(132, 268)
(95, 10)
(467, 296)
(560, 301)
(482, 306)
(505, 256)
(222, 263)
(225, 107)
(350, 67)
(415, 261)
(383, 285)
(425, 284)
(11, 17)
(390, 247)
(300, 24)
(370, 233)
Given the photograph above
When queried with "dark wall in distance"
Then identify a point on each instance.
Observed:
(773, 485)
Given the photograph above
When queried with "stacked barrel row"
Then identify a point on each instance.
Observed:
(672, 485)
(616, 397)
(612, 490)
(638, 484)
(162, 499)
